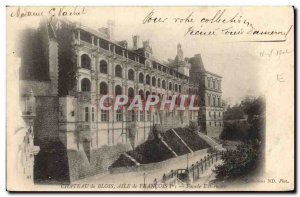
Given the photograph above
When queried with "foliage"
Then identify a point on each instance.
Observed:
(67, 59)
(246, 157)
(237, 163)
(236, 127)
(234, 131)
(249, 106)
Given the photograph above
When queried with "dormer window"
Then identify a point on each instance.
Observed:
(147, 55)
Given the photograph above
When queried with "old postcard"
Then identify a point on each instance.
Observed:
(150, 99)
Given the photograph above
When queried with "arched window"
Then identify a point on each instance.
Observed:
(176, 88)
(131, 75)
(158, 83)
(170, 86)
(85, 61)
(148, 80)
(141, 93)
(103, 67)
(85, 85)
(118, 71)
(103, 88)
(130, 92)
(118, 90)
(153, 81)
(141, 78)
(163, 84)
(147, 94)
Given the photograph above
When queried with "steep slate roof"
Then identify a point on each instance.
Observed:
(197, 64)
(180, 140)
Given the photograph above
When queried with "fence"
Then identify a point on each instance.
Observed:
(194, 171)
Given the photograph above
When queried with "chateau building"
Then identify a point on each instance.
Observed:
(84, 64)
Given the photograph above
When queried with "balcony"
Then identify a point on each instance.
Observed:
(84, 96)
(83, 127)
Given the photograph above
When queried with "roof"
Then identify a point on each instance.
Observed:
(197, 64)
(179, 140)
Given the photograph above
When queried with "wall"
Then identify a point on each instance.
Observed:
(100, 160)
(46, 123)
(153, 166)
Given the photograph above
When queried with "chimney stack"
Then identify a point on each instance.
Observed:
(135, 42)
(110, 29)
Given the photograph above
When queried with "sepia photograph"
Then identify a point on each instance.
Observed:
(150, 99)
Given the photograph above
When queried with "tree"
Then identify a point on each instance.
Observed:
(237, 163)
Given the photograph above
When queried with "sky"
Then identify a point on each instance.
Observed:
(239, 63)
(235, 62)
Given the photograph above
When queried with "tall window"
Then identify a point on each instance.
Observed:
(86, 114)
(133, 116)
(214, 101)
(163, 84)
(148, 115)
(85, 61)
(215, 115)
(147, 94)
(208, 100)
(142, 115)
(118, 71)
(148, 80)
(130, 92)
(118, 90)
(93, 114)
(141, 93)
(179, 88)
(103, 88)
(158, 83)
(176, 88)
(208, 82)
(214, 84)
(170, 86)
(85, 85)
(103, 67)
(104, 115)
(153, 81)
(141, 78)
(131, 75)
(219, 102)
(119, 115)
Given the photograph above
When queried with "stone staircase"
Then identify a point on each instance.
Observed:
(211, 142)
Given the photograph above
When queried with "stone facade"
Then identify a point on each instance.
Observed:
(82, 66)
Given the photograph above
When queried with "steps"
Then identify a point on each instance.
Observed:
(211, 142)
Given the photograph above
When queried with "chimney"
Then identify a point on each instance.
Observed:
(110, 29)
(135, 42)
(146, 44)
